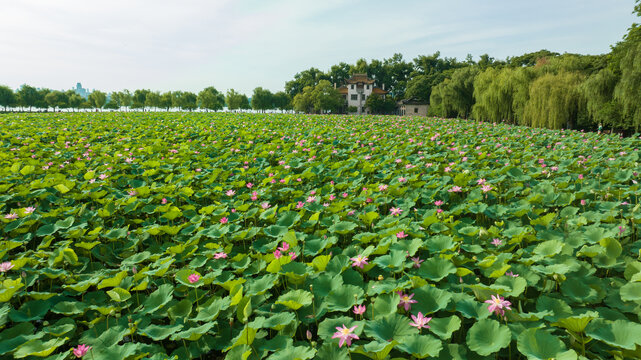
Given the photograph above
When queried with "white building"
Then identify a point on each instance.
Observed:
(356, 91)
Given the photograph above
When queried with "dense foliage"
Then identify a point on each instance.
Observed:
(247, 236)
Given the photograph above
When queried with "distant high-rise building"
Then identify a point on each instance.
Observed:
(84, 93)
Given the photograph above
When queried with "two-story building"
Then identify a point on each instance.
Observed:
(356, 91)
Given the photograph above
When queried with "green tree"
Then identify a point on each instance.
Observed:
(555, 101)
(419, 87)
(379, 105)
(398, 72)
(326, 98)
(598, 90)
(339, 73)
(627, 58)
(262, 99)
(309, 77)
(74, 99)
(304, 101)
(210, 99)
(7, 97)
(97, 99)
(282, 101)
(501, 94)
(126, 99)
(531, 59)
(57, 99)
(152, 99)
(28, 96)
(234, 99)
(139, 99)
(166, 100)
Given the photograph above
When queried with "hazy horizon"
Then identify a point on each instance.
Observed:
(163, 45)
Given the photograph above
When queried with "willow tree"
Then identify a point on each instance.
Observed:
(555, 101)
(501, 94)
(600, 104)
(628, 90)
(438, 106)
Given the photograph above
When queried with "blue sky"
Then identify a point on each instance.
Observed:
(191, 44)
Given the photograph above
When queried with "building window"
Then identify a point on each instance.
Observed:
(362, 96)
(415, 110)
(367, 87)
(352, 86)
(354, 97)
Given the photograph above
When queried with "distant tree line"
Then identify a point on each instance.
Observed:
(29, 98)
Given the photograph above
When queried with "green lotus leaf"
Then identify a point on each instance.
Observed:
(421, 346)
(69, 308)
(288, 219)
(620, 333)
(436, 268)
(245, 337)
(160, 332)
(394, 260)
(390, 327)
(342, 227)
(577, 323)
(295, 299)
(538, 344)
(193, 333)
(116, 233)
(488, 336)
(469, 307)
(384, 304)
(119, 294)
(157, 299)
(516, 284)
(439, 243)
(445, 327)
(430, 299)
(275, 231)
(329, 351)
(548, 248)
(261, 285)
(180, 310)
(631, 291)
(30, 311)
(211, 310)
(344, 298)
(182, 277)
(60, 327)
(39, 348)
(294, 353)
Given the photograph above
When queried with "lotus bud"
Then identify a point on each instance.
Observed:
(483, 232)
(309, 335)
(380, 277)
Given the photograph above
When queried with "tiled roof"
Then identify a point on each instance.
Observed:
(359, 78)
(379, 91)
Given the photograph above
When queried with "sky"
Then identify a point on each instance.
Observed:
(191, 44)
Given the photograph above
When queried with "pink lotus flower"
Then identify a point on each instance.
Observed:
(103, 176)
(81, 350)
(406, 301)
(11, 216)
(193, 278)
(420, 321)
(249, 185)
(509, 273)
(417, 262)
(132, 192)
(401, 234)
(292, 255)
(224, 220)
(497, 304)
(456, 189)
(402, 179)
(497, 242)
(163, 201)
(359, 261)
(5, 266)
(438, 202)
(220, 255)
(230, 193)
(583, 202)
(480, 181)
(299, 205)
(345, 335)
(29, 210)
(277, 254)
(311, 199)
(265, 205)
(486, 188)
(395, 211)
(284, 247)
(382, 187)
(344, 195)
(359, 309)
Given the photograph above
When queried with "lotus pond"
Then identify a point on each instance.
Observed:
(251, 236)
